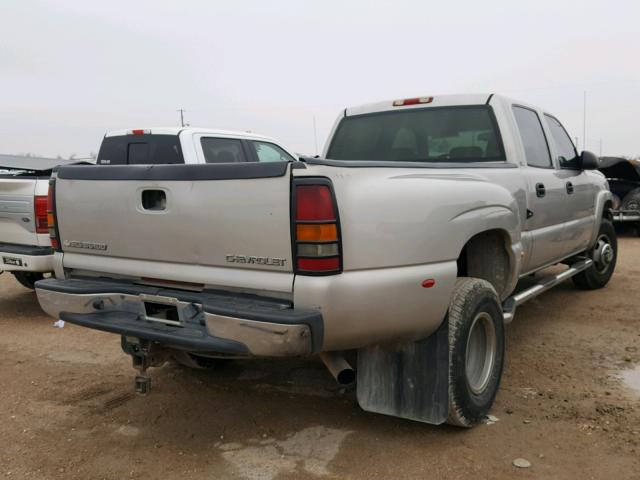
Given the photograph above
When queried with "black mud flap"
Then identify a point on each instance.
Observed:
(407, 380)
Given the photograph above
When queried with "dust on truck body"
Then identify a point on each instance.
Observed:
(404, 243)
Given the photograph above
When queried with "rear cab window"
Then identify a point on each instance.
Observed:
(147, 149)
(434, 134)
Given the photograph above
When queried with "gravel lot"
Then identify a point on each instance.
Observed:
(68, 410)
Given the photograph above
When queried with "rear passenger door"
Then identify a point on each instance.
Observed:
(546, 194)
(581, 192)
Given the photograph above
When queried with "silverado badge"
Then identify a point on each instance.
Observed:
(277, 262)
(88, 245)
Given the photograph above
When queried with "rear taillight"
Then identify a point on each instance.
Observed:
(51, 216)
(40, 210)
(316, 228)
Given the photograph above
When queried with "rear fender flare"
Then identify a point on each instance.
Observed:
(496, 218)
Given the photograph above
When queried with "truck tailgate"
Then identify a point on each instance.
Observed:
(17, 223)
(199, 223)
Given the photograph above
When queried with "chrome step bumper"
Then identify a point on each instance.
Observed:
(207, 322)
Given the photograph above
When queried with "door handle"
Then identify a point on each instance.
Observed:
(569, 188)
(154, 200)
(540, 190)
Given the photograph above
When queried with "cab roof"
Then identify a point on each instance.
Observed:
(435, 101)
(193, 130)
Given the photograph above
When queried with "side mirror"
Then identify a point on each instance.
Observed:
(589, 160)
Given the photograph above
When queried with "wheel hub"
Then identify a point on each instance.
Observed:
(603, 254)
(480, 352)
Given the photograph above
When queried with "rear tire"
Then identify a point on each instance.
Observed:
(476, 350)
(28, 279)
(604, 255)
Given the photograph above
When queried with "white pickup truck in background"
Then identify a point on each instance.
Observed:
(406, 243)
(190, 145)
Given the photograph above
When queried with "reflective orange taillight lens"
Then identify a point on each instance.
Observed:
(317, 233)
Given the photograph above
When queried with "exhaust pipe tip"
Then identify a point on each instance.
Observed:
(339, 368)
(346, 377)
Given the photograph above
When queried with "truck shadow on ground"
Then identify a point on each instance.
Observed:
(18, 301)
(256, 396)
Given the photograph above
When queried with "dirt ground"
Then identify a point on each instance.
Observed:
(67, 407)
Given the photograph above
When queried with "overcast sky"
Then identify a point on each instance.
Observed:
(69, 71)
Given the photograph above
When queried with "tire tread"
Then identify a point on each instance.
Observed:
(465, 288)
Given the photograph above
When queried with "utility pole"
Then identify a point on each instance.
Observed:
(181, 110)
(315, 134)
(584, 120)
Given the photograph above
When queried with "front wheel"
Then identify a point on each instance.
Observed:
(28, 279)
(604, 255)
(476, 350)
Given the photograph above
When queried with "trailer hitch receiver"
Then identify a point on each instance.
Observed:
(144, 354)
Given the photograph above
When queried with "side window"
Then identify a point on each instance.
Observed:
(222, 150)
(268, 152)
(535, 143)
(567, 155)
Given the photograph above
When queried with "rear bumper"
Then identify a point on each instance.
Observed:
(208, 322)
(25, 258)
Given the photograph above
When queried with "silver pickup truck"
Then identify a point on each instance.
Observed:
(405, 243)
(25, 247)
